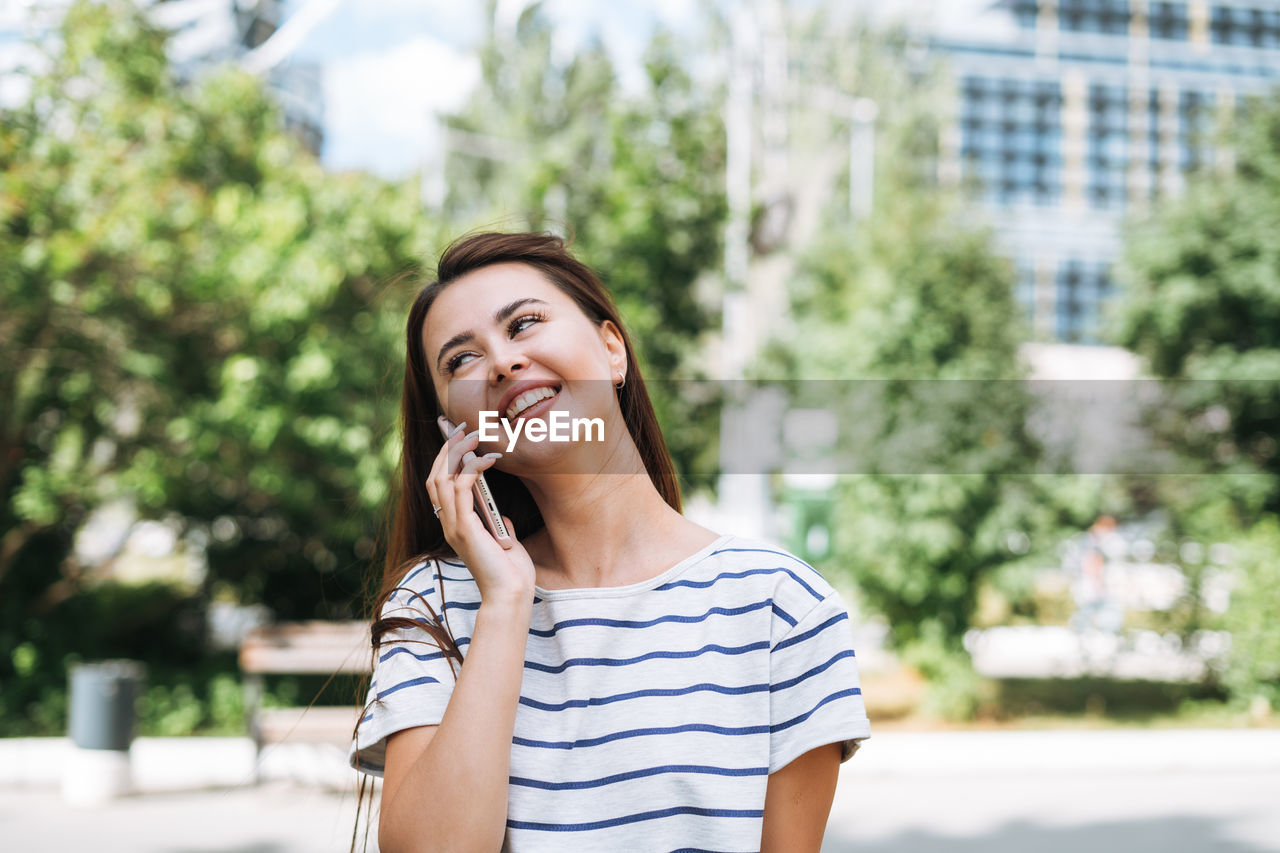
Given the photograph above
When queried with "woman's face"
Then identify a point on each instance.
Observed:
(498, 331)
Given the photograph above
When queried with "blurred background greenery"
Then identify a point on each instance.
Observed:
(201, 333)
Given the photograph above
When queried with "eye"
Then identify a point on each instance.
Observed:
(452, 364)
(523, 322)
(519, 324)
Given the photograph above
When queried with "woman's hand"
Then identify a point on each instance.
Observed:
(499, 572)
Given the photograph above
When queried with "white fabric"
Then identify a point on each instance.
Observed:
(651, 714)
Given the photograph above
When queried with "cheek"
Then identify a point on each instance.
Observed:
(462, 399)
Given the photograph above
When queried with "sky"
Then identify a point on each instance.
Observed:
(390, 66)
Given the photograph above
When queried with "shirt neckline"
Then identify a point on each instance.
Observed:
(633, 588)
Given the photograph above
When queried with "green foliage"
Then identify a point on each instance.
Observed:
(913, 310)
(1253, 665)
(910, 297)
(1201, 301)
(196, 315)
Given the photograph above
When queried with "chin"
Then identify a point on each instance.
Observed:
(549, 457)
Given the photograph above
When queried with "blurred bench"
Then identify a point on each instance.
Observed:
(302, 648)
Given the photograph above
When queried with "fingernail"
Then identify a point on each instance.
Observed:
(494, 455)
(457, 429)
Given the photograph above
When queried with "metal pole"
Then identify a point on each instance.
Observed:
(862, 157)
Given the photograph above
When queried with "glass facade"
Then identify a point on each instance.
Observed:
(1083, 287)
(1237, 25)
(1011, 138)
(1065, 136)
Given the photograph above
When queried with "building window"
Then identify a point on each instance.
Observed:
(1195, 124)
(1107, 161)
(1168, 21)
(1234, 25)
(1025, 289)
(1025, 12)
(1153, 143)
(1011, 134)
(1094, 16)
(1083, 288)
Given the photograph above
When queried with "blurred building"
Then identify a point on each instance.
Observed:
(1072, 114)
(204, 33)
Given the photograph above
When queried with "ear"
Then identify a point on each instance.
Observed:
(617, 350)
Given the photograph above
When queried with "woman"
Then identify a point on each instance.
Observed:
(628, 679)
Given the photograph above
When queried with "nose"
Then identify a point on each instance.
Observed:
(506, 363)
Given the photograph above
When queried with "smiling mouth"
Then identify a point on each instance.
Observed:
(530, 400)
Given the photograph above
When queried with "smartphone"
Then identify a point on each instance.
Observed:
(484, 502)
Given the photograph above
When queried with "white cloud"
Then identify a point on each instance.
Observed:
(381, 105)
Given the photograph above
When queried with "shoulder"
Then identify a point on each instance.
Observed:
(745, 553)
(796, 586)
(436, 581)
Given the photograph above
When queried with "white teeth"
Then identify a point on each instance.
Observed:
(527, 399)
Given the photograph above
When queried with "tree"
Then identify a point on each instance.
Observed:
(197, 316)
(1200, 300)
(637, 181)
(913, 312)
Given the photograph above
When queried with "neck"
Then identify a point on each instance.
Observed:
(596, 525)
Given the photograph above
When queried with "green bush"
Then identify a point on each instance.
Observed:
(1252, 670)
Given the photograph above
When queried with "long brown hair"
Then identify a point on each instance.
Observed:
(413, 533)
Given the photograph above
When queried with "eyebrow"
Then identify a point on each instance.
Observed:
(498, 316)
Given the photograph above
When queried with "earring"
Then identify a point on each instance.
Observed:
(622, 380)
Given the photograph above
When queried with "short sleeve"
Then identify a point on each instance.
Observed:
(412, 678)
(815, 696)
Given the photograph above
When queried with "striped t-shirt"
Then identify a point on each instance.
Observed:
(650, 715)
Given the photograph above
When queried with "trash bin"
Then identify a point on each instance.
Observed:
(101, 724)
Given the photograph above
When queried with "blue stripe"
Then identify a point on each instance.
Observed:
(638, 774)
(413, 574)
(461, 641)
(633, 818)
(851, 691)
(438, 576)
(786, 617)
(413, 682)
(800, 638)
(728, 650)
(703, 584)
(402, 650)
(636, 694)
(630, 623)
(769, 551)
(630, 733)
(792, 682)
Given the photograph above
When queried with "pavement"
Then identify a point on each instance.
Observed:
(1167, 790)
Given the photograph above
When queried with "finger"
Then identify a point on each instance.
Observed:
(437, 471)
(463, 484)
(438, 484)
(442, 457)
(472, 465)
(460, 447)
(510, 541)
